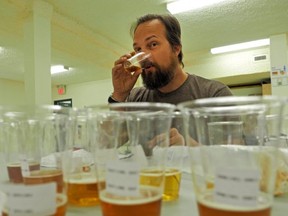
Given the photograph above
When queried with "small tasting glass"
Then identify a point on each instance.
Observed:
(134, 63)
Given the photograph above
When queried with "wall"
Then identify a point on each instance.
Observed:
(247, 90)
(12, 92)
(227, 64)
(85, 94)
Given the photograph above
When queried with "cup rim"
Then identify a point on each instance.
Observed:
(232, 101)
(167, 106)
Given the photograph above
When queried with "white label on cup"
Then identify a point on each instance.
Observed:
(76, 164)
(122, 178)
(27, 200)
(24, 166)
(237, 186)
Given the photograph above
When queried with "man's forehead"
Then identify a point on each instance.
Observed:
(146, 30)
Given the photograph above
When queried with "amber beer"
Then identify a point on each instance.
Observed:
(14, 171)
(207, 207)
(61, 206)
(45, 176)
(82, 192)
(149, 203)
(132, 64)
(132, 68)
(172, 184)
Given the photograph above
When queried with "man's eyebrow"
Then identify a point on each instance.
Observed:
(148, 38)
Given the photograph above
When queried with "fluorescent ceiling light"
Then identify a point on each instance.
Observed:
(59, 69)
(186, 5)
(241, 46)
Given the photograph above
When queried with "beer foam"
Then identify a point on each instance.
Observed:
(172, 171)
(14, 165)
(152, 173)
(143, 199)
(44, 173)
(263, 203)
(18, 164)
(81, 181)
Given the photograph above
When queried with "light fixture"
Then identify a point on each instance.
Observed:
(59, 69)
(186, 5)
(240, 46)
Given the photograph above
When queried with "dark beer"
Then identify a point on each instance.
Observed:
(208, 207)
(14, 171)
(149, 203)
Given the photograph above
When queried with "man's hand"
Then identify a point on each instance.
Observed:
(123, 81)
(176, 138)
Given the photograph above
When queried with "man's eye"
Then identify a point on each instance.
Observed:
(153, 44)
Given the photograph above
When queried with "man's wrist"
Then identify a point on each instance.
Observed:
(111, 99)
(118, 97)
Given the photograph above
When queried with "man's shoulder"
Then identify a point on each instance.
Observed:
(203, 80)
(137, 90)
(139, 94)
(208, 87)
(200, 78)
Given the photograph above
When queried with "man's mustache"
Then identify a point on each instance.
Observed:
(146, 64)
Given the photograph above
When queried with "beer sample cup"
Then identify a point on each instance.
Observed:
(14, 132)
(78, 163)
(136, 61)
(132, 140)
(3, 167)
(233, 167)
(282, 163)
(174, 159)
(37, 140)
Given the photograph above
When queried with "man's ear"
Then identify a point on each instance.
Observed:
(177, 49)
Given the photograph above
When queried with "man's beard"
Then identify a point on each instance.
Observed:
(160, 77)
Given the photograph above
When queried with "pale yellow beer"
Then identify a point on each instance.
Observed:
(14, 171)
(149, 203)
(208, 207)
(45, 176)
(152, 177)
(61, 201)
(82, 191)
(172, 184)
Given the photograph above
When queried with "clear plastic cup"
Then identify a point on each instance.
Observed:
(134, 63)
(234, 164)
(131, 141)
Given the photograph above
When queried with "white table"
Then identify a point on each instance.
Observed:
(184, 206)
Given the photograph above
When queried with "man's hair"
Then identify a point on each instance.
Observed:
(172, 26)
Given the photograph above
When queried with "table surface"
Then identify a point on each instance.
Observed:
(184, 206)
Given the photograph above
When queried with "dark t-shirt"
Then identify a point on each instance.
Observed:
(194, 87)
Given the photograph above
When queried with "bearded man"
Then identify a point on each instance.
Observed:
(164, 79)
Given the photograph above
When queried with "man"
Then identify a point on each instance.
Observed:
(162, 74)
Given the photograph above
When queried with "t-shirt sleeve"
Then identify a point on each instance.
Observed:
(224, 91)
(216, 89)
